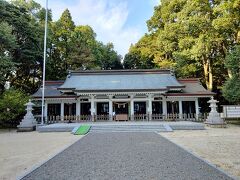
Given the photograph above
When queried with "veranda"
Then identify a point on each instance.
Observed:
(124, 107)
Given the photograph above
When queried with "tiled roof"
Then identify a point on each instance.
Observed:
(136, 80)
(130, 80)
(193, 87)
(50, 90)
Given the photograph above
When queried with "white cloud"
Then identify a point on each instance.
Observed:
(106, 17)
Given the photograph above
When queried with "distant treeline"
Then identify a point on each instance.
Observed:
(69, 47)
(197, 38)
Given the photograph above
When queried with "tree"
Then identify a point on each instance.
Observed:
(192, 37)
(7, 45)
(12, 107)
(62, 33)
(81, 55)
(27, 55)
(231, 88)
(106, 57)
(68, 47)
(141, 55)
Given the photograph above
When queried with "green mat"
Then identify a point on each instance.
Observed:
(82, 130)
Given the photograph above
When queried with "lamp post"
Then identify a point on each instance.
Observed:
(44, 61)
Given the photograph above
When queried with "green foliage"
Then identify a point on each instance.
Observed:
(27, 52)
(106, 57)
(7, 45)
(69, 47)
(12, 106)
(193, 37)
(231, 89)
(76, 48)
(233, 61)
(141, 54)
(81, 55)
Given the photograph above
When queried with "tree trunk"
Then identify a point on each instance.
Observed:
(205, 68)
(210, 82)
(208, 75)
(230, 74)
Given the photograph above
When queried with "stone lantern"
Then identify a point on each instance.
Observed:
(28, 123)
(214, 118)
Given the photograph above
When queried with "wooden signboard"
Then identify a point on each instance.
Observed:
(121, 117)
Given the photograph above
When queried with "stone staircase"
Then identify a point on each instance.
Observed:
(124, 127)
(130, 128)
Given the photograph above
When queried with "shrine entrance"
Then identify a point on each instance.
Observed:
(120, 111)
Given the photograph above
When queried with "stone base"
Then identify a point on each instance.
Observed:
(213, 125)
(26, 129)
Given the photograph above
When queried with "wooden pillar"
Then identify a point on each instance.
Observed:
(92, 107)
(180, 109)
(164, 106)
(78, 108)
(45, 111)
(132, 107)
(62, 111)
(197, 108)
(150, 106)
(110, 109)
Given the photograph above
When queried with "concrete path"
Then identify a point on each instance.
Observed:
(125, 156)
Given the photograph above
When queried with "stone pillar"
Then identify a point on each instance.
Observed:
(197, 108)
(110, 108)
(150, 106)
(180, 109)
(132, 107)
(62, 111)
(92, 107)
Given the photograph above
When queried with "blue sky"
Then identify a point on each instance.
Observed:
(119, 21)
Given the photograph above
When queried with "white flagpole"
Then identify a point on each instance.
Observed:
(44, 61)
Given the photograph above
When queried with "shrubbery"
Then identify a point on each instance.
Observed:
(12, 107)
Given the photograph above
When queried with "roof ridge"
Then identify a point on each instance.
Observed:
(188, 79)
(120, 71)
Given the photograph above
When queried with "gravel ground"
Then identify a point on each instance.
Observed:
(21, 151)
(125, 156)
(220, 146)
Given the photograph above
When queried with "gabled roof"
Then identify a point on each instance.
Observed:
(51, 90)
(193, 87)
(120, 80)
(141, 80)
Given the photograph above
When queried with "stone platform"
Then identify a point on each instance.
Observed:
(124, 126)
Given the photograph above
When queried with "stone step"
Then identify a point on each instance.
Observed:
(130, 128)
(150, 129)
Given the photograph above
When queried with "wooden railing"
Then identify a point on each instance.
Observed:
(158, 117)
(140, 117)
(68, 119)
(84, 118)
(189, 117)
(136, 117)
(102, 117)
